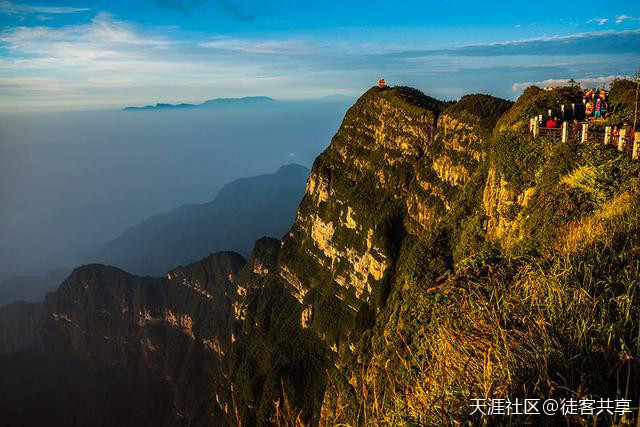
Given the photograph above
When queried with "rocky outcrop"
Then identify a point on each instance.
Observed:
(498, 199)
(175, 327)
(340, 250)
(503, 206)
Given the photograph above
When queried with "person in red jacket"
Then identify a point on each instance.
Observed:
(552, 122)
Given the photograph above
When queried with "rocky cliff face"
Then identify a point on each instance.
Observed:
(339, 255)
(433, 259)
(176, 327)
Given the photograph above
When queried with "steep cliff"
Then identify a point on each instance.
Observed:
(338, 258)
(174, 327)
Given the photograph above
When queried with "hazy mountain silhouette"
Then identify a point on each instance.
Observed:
(30, 288)
(211, 103)
(243, 211)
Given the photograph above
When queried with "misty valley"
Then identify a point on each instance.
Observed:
(74, 183)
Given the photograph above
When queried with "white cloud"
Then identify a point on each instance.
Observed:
(11, 8)
(258, 46)
(599, 21)
(621, 18)
(552, 38)
(618, 20)
(111, 61)
(584, 82)
(104, 38)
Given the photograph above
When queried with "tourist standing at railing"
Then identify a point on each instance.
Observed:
(596, 114)
(588, 95)
(589, 109)
(552, 122)
(603, 109)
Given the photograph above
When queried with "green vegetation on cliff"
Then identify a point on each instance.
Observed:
(623, 98)
(535, 101)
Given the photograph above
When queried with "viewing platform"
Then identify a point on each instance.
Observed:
(589, 132)
(589, 121)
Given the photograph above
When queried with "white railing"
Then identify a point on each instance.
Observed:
(583, 134)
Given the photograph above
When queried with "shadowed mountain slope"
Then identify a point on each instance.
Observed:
(242, 211)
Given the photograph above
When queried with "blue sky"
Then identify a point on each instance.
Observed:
(58, 54)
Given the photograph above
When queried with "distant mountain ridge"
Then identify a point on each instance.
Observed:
(211, 103)
(243, 210)
(30, 288)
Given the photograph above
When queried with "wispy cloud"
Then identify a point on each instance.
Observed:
(622, 18)
(259, 46)
(11, 8)
(585, 82)
(619, 19)
(57, 86)
(610, 42)
(108, 59)
(599, 21)
(103, 37)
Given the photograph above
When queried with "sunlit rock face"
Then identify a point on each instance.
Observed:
(339, 254)
(393, 169)
(500, 200)
(454, 155)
